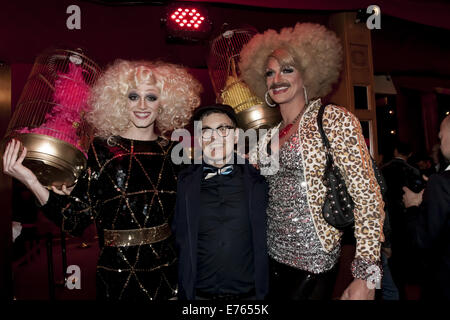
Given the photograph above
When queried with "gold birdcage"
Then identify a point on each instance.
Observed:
(49, 116)
(229, 88)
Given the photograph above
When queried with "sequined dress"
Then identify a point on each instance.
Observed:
(128, 185)
(292, 238)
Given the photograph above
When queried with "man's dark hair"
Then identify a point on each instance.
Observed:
(403, 148)
(225, 109)
(209, 112)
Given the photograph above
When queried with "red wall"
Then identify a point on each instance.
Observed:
(127, 32)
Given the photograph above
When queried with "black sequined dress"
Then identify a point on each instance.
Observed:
(128, 184)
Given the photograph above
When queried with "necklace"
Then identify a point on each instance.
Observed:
(286, 129)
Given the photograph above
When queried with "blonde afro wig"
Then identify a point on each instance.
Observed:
(315, 50)
(179, 95)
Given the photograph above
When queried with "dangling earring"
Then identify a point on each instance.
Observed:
(306, 96)
(267, 97)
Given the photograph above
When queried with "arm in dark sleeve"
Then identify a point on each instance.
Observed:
(179, 228)
(177, 210)
(426, 223)
(179, 221)
(73, 212)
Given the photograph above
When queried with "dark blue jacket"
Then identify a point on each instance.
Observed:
(185, 227)
(429, 230)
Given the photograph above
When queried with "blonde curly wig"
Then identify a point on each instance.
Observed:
(109, 114)
(316, 53)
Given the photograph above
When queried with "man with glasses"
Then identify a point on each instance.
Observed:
(220, 217)
(428, 225)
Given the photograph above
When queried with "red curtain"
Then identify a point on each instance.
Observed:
(430, 119)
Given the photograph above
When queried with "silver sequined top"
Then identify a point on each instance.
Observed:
(292, 238)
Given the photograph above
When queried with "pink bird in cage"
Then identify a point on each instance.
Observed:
(70, 98)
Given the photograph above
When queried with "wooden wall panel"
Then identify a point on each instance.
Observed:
(5, 190)
(357, 71)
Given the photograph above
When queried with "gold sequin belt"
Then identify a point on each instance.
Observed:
(135, 237)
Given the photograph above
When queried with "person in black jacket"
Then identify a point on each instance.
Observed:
(220, 217)
(129, 185)
(398, 173)
(429, 225)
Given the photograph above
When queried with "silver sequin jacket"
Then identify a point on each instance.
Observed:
(351, 155)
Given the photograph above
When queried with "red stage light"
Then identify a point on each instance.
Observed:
(185, 21)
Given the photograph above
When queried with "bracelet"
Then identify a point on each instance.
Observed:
(367, 270)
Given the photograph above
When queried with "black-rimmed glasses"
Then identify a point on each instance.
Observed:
(222, 131)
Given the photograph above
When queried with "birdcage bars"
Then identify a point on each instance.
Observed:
(49, 116)
(228, 85)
